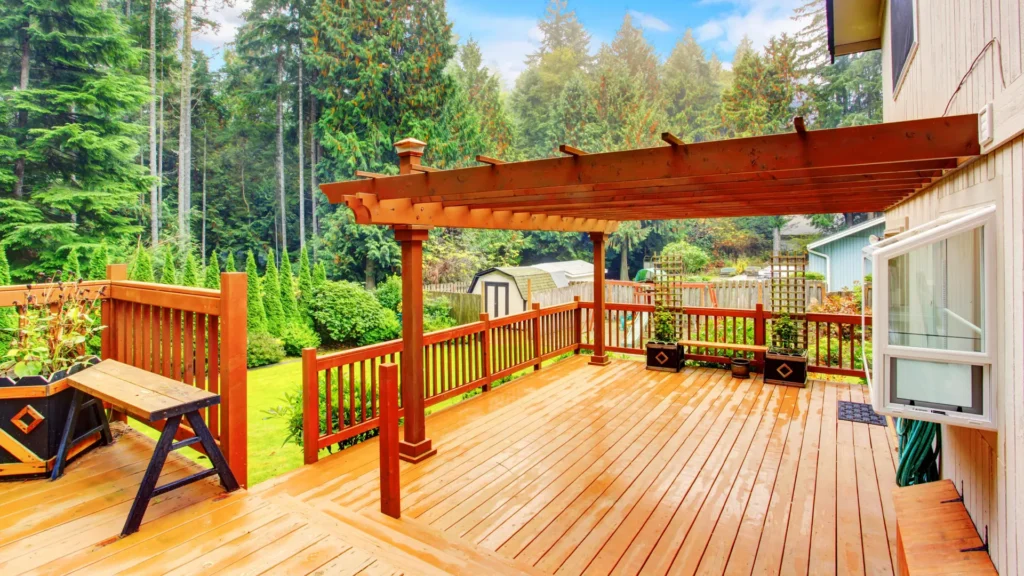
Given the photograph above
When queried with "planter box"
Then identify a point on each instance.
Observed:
(33, 412)
(786, 369)
(664, 356)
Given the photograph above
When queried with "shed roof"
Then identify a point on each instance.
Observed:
(854, 169)
(538, 280)
(848, 232)
(571, 268)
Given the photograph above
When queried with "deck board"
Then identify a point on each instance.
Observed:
(573, 469)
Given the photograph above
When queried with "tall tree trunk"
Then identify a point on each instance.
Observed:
(371, 275)
(204, 193)
(302, 160)
(624, 261)
(312, 162)
(847, 219)
(185, 126)
(776, 241)
(154, 206)
(280, 147)
(160, 152)
(19, 164)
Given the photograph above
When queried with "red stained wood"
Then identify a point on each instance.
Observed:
(390, 489)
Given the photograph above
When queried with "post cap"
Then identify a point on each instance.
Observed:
(410, 146)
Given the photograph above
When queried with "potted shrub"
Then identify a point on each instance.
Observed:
(48, 343)
(664, 352)
(785, 362)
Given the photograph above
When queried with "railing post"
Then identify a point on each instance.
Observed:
(577, 320)
(310, 407)
(536, 337)
(233, 426)
(390, 483)
(759, 334)
(599, 358)
(114, 272)
(485, 352)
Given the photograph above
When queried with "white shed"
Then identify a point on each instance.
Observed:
(565, 273)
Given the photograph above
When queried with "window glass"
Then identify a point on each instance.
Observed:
(902, 40)
(936, 295)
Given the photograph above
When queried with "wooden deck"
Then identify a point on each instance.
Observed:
(573, 470)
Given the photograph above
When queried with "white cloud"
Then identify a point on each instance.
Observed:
(505, 41)
(650, 22)
(758, 19)
(228, 19)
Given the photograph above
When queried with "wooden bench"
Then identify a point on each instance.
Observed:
(724, 346)
(152, 398)
(934, 533)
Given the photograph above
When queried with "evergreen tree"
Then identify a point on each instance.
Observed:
(760, 100)
(257, 317)
(142, 267)
(69, 83)
(229, 266)
(305, 280)
(98, 262)
(73, 268)
(288, 302)
(575, 121)
(190, 274)
(691, 92)
(8, 316)
(212, 277)
(483, 90)
(168, 275)
(272, 298)
(319, 275)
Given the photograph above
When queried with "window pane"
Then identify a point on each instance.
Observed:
(936, 295)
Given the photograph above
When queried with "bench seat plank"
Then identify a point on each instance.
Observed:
(934, 532)
(142, 394)
(723, 346)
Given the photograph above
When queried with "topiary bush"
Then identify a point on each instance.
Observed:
(263, 350)
(296, 336)
(344, 313)
(389, 293)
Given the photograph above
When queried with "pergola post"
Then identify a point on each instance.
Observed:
(415, 445)
(599, 358)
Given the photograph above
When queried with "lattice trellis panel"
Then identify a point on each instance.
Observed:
(788, 291)
(669, 277)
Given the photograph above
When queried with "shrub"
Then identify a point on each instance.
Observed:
(263, 349)
(211, 278)
(694, 259)
(814, 275)
(305, 281)
(292, 408)
(664, 326)
(167, 275)
(786, 333)
(74, 266)
(98, 262)
(437, 315)
(389, 293)
(272, 298)
(142, 266)
(288, 302)
(257, 315)
(190, 275)
(344, 313)
(298, 335)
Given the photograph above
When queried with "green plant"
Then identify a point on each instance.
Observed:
(211, 278)
(272, 297)
(786, 334)
(263, 349)
(298, 335)
(344, 313)
(289, 303)
(814, 276)
(257, 314)
(664, 326)
(437, 315)
(168, 275)
(694, 259)
(98, 262)
(53, 329)
(389, 293)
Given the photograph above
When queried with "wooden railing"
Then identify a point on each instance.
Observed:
(341, 390)
(193, 335)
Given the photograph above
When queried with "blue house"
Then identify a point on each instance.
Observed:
(839, 256)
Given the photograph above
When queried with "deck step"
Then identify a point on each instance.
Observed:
(405, 543)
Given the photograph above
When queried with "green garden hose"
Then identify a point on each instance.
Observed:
(920, 445)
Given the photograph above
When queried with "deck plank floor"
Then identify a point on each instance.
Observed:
(575, 469)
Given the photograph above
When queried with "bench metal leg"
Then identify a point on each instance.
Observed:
(227, 478)
(148, 485)
(80, 402)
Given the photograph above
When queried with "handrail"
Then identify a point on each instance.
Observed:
(341, 390)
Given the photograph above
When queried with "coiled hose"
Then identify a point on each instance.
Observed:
(920, 445)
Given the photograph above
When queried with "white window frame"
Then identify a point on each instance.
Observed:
(878, 377)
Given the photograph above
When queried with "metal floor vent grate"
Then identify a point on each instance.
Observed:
(859, 412)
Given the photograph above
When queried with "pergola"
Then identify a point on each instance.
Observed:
(856, 169)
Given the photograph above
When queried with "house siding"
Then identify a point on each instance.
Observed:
(845, 255)
(987, 467)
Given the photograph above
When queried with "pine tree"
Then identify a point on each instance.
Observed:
(167, 275)
(73, 268)
(8, 316)
(70, 88)
(575, 121)
(288, 301)
(142, 267)
(98, 262)
(763, 90)
(483, 90)
(190, 275)
(691, 92)
(212, 276)
(229, 266)
(305, 280)
(272, 298)
(257, 318)
(319, 275)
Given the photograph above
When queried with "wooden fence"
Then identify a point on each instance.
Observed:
(192, 335)
(465, 307)
(341, 391)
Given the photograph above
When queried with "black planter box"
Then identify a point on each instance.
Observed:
(36, 422)
(784, 368)
(664, 356)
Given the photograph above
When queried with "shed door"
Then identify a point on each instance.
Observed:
(496, 299)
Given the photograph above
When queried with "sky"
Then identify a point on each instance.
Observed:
(507, 31)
